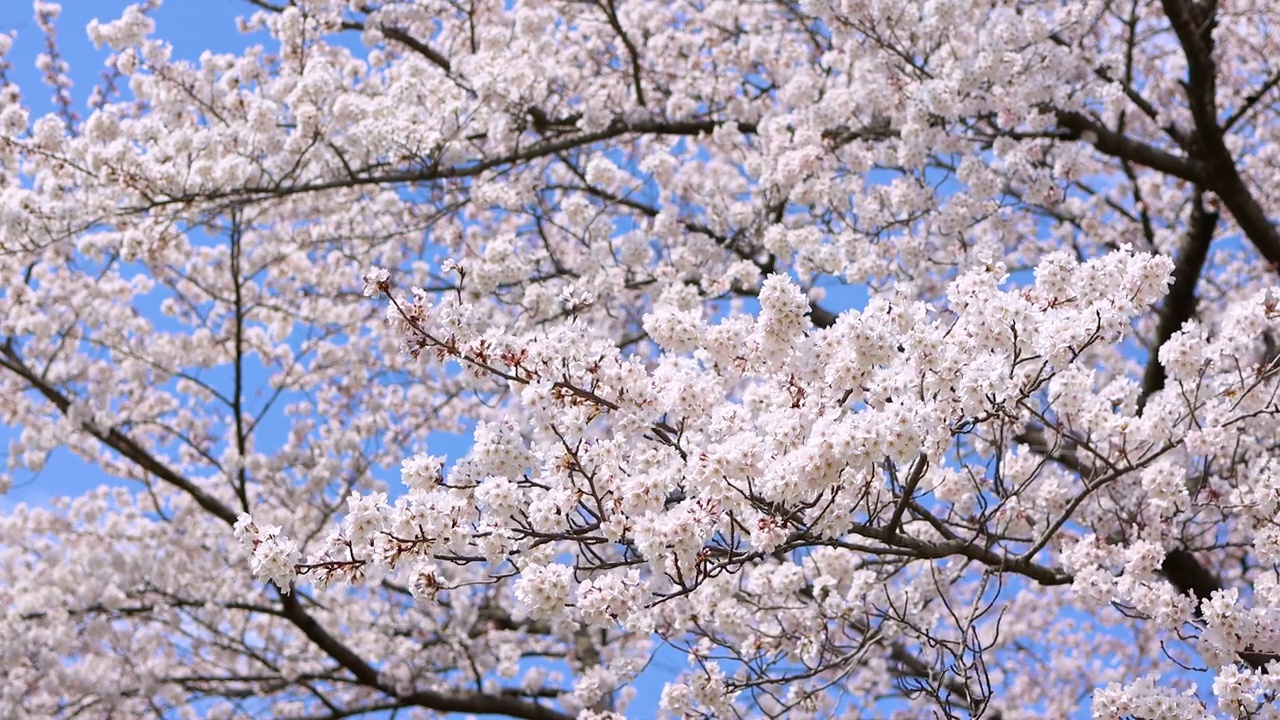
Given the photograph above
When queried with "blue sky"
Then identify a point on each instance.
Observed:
(191, 25)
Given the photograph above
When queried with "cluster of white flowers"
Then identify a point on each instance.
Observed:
(274, 557)
(544, 589)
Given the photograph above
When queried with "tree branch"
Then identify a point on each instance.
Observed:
(1118, 145)
(618, 128)
(1194, 23)
(463, 702)
(1180, 303)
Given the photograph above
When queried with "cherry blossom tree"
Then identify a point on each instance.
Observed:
(909, 358)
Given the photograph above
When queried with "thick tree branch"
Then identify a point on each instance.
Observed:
(404, 38)
(1117, 145)
(1194, 22)
(1180, 303)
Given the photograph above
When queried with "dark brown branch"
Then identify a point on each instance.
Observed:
(1180, 303)
(389, 32)
(1193, 23)
(238, 382)
(404, 38)
(1180, 567)
(1225, 180)
(914, 474)
(117, 440)
(1146, 106)
(612, 14)
(909, 664)
(1117, 145)
(820, 316)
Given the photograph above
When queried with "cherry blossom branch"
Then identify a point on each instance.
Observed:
(1251, 101)
(115, 439)
(914, 475)
(290, 604)
(616, 129)
(611, 13)
(461, 702)
(664, 432)
(238, 358)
